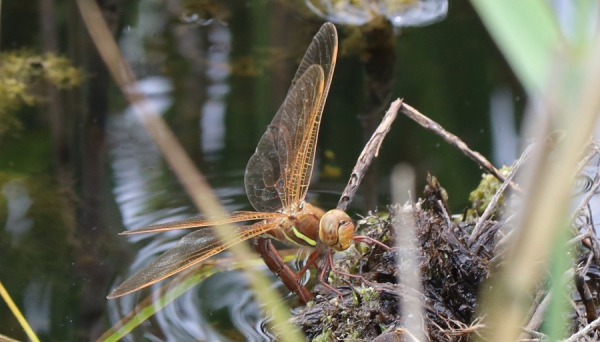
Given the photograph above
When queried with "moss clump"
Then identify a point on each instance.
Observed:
(480, 197)
(21, 74)
(368, 294)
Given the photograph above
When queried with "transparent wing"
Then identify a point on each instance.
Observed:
(189, 251)
(321, 51)
(279, 172)
(198, 222)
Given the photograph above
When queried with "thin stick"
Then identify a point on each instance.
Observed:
(592, 149)
(453, 140)
(487, 212)
(578, 238)
(587, 198)
(370, 151)
(581, 333)
(538, 316)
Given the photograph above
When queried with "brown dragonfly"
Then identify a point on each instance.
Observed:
(277, 178)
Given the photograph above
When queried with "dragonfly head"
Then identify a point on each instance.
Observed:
(336, 230)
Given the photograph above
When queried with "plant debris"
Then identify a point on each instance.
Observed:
(370, 305)
(455, 257)
(452, 272)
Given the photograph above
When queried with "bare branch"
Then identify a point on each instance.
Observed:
(453, 140)
(370, 151)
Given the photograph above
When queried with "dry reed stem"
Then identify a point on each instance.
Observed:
(549, 184)
(410, 305)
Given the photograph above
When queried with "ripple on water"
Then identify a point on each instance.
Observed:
(146, 193)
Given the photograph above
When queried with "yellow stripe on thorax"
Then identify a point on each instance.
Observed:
(303, 237)
(292, 240)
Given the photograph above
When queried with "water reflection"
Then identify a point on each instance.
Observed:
(237, 305)
(146, 193)
(213, 110)
(400, 13)
(37, 300)
(18, 203)
(503, 128)
(139, 180)
(135, 159)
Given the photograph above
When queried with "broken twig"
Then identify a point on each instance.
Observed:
(581, 333)
(370, 151)
(477, 230)
(454, 141)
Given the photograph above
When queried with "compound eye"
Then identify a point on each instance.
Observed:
(336, 230)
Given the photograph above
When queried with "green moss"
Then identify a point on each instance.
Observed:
(325, 336)
(21, 74)
(368, 294)
(480, 197)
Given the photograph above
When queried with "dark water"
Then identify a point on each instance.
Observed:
(217, 71)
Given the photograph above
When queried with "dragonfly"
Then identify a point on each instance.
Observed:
(276, 180)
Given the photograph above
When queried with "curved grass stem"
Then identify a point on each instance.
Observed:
(17, 313)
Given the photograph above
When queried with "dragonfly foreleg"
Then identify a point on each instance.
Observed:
(312, 260)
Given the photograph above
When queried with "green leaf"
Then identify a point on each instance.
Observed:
(527, 34)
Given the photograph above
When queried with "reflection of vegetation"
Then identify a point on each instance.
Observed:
(331, 168)
(37, 248)
(36, 245)
(257, 64)
(355, 42)
(204, 11)
(20, 73)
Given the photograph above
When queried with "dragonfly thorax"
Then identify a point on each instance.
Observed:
(309, 226)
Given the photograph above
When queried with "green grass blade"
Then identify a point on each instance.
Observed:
(527, 34)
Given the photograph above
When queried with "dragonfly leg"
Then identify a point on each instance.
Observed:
(326, 266)
(275, 263)
(312, 260)
(329, 265)
(370, 240)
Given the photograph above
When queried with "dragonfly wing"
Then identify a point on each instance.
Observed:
(189, 251)
(279, 172)
(322, 51)
(263, 175)
(198, 222)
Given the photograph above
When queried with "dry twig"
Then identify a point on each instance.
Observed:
(491, 206)
(370, 151)
(538, 317)
(587, 198)
(453, 140)
(581, 333)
